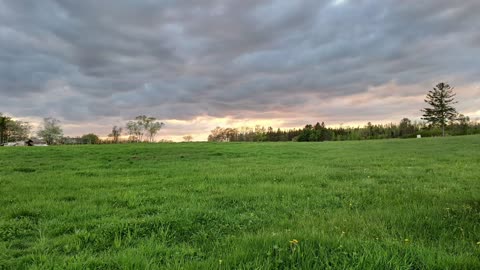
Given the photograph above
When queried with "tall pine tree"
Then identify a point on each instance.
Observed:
(441, 99)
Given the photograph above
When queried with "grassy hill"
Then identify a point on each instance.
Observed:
(389, 204)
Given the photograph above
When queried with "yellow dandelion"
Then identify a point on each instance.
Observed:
(294, 242)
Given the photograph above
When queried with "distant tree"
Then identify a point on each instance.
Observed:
(116, 133)
(135, 131)
(18, 130)
(461, 124)
(187, 138)
(217, 135)
(153, 128)
(370, 133)
(4, 120)
(51, 131)
(13, 130)
(406, 128)
(90, 139)
(271, 135)
(231, 134)
(441, 99)
(307, 134)
(144, 125)
(260, 133)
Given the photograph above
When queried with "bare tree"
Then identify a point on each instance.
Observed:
(187, 138)
(153, 129)
(150, 126)
(116, 133)
(135, 131)
(144, 125)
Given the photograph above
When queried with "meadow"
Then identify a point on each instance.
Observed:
(385, 204)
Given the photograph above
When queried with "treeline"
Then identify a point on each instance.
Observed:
(94, 139)
(441, 119)
(142, 129)
(319, 132)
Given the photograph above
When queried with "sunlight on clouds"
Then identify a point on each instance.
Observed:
(379, 104)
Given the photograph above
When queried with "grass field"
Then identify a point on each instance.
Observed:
(389, 204)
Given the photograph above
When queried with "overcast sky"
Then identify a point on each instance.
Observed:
(202, 63)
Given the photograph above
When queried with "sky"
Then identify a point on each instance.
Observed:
(200, 64)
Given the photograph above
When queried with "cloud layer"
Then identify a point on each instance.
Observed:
(193, 63)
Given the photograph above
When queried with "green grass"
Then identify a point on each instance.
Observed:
(351, 205)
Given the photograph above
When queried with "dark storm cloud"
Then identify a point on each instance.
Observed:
(84, 61)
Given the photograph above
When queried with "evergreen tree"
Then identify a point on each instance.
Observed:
(441, 99)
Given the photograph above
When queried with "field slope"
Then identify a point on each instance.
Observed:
(390, 204)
